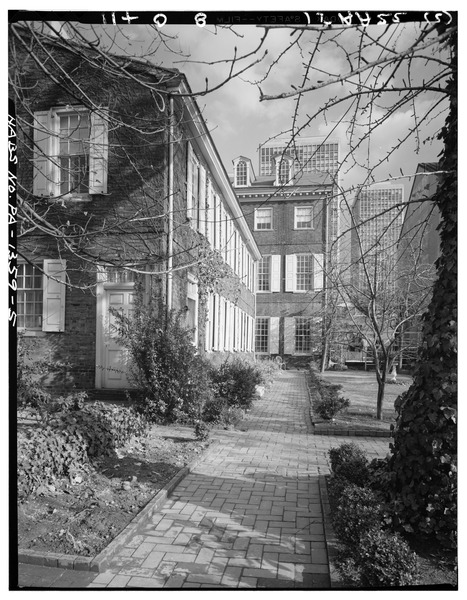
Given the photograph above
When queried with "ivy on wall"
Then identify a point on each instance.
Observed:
(424, 452)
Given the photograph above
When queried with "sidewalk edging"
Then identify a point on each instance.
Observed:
(98, 563)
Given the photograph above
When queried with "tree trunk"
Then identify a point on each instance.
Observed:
(381, 374)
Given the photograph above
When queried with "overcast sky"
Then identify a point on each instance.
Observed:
(239, 122)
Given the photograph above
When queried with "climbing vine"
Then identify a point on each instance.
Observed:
(424, 452)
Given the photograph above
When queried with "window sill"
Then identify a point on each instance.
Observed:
(32, 332)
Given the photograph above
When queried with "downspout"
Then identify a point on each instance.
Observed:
(325, 342)
(170, 208)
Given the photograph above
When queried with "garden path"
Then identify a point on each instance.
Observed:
(250, 514)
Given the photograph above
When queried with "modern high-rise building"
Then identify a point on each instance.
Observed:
(377, 218)
(310, 154)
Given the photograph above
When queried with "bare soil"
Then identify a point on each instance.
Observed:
(85, 516)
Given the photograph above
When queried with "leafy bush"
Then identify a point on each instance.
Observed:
(349, 462)
(235, 382)
(336, 485)
(70, 438)
(330, 405)
(381, 560)
(29, 389)
(268, 370)
(173, 380)
(47, 454)
(327, 402)
(217, 411)
(201, 430)
(358, 511)
(424, 464)
(104, 427)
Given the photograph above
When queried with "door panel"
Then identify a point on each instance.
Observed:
(115, 357)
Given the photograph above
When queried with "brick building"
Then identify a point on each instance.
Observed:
(119, 182)
(419, 244)
(288, 209)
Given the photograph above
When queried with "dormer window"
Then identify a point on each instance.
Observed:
(284, 170)
(243, 172)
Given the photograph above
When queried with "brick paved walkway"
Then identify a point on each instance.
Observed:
(250, 515)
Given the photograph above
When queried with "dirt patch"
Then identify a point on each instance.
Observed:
(85, 516)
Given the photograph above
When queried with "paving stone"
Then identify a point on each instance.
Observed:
(249, 515)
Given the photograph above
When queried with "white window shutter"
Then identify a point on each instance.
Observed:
(210, 214)
(276, 273)
(274, 335)
(53, 311)
(98, 153)
(215, 322)
(290, 272)
(41, 151)
(222, 229)
(208, 324)
(202, 201)
(189, 182)
(289, 335)
(318, 260)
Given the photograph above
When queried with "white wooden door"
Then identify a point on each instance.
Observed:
(115, 357)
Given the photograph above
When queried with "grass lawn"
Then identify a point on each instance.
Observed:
(361, 388)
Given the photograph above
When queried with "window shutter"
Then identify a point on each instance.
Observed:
(189, 178)
(318, 260)
(275, 273)
(237, 329)
(98, 153)
(290, 272)
(210, 214)
(274, 335)
(222, 229)
(289, 335)
(53, 312)
(41, 152)
(202, 201)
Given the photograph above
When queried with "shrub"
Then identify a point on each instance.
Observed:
(70, 438)
(47, 454)
(173, 380)
(268, 370)
(103, 427)
(358, 511)
(385, 560)
(336, 485)
(349, 462)
(201, 431)
(328, 406)
(29, 390)
(327, 402)
(235, 381)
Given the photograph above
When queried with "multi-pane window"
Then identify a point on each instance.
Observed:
(263, 218)
(303, 217)
(29, 297)
(284, 172)
(264, 274)
(241, 173)
(118, 275)
(304, 272)
(262, 335)
(302, 335)
(74, 152)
